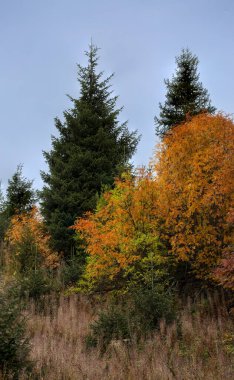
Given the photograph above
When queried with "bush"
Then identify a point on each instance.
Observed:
(14, 345)
(111, 324)
(152, 305)
(139, 314)
(35, 284)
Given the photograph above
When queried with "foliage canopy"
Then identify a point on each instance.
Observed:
(195, 180)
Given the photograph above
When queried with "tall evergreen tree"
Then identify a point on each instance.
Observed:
(185, 95)
(88, 154)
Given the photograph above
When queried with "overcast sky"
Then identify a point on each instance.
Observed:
(41, 41)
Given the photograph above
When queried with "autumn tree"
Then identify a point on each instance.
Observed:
(29, 243)
(20, 197)
(185, 95)
(195, 179)
(121, 236)
(224, 273)
(90, 151)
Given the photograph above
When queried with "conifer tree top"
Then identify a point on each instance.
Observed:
(185, 95)
(91, 150)
(89, 79)
(20, 196)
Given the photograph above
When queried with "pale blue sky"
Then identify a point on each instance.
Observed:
(41, 42)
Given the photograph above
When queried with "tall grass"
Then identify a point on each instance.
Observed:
(199, 345)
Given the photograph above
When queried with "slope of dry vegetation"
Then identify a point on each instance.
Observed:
(198, 345)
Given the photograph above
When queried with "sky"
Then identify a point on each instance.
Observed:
(41, 43)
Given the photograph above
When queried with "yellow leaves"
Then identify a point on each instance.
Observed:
(111, 233)
(29, 225)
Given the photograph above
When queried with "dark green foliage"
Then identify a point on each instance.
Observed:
(152, 305)
(20, 197)
(91, 149)
(35, 284)
(137, 315)
(14, 345)
(74, 265)
(185, 95)
(111, 324)
(72, 269)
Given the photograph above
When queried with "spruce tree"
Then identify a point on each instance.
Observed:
(88, 154)
(14, 343)
(20, 197)
(185, 95)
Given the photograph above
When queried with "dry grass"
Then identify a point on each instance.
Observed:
(198, 347)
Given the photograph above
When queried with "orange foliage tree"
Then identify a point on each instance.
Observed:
(184, 208)
(29, 243)
(224, 273)
(194, 169)
(121, 236)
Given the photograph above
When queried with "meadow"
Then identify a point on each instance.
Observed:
(198, 345)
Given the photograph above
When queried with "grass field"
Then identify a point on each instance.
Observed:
(199, 345)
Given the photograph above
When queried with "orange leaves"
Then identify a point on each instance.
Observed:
(224, 273)
(195, 178)
(122, 216)
(185, 204)
(28, 228)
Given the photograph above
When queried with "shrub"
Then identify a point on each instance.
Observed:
(35, 284)
(14, 344)
(152, 305)
(139, 314)
(111, 324)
